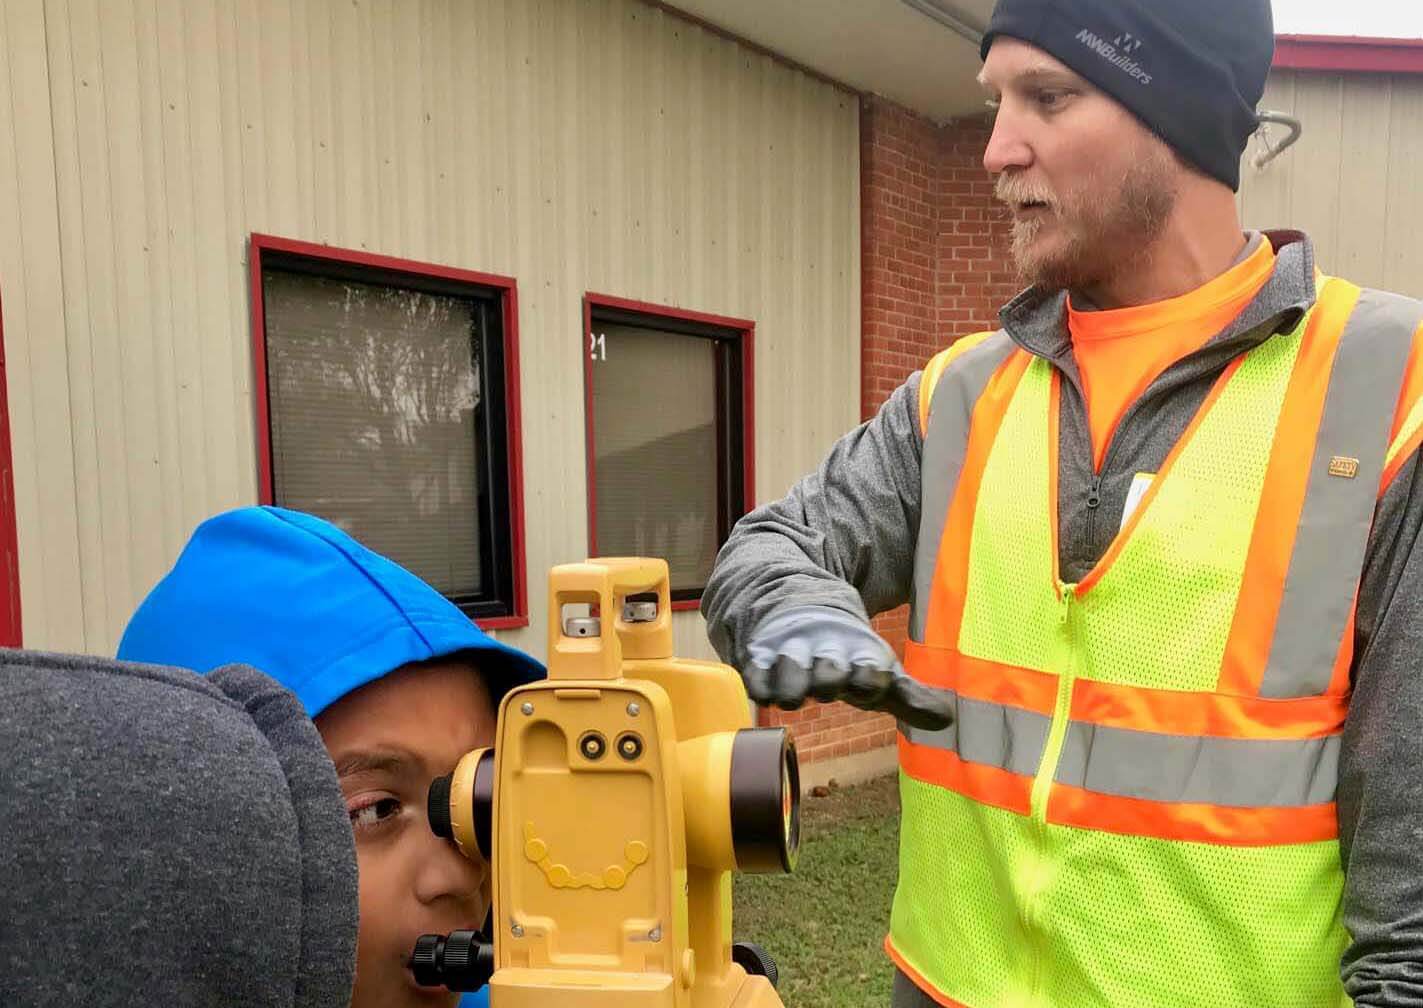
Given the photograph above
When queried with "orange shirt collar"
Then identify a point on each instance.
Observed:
(1234, 287)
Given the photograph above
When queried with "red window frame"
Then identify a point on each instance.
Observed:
(746, 339)
(261, 244)
(10, 626)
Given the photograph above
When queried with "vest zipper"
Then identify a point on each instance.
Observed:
(1057, 730)
(1042, 790)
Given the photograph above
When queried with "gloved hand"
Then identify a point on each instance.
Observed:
(828, 654)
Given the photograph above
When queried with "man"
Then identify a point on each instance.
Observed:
(168, 840)
(400, 683)
(1158, 538)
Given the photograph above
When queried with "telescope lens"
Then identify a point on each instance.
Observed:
(460, 806)
(765, 800)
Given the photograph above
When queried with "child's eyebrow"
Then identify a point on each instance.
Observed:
(391, 761)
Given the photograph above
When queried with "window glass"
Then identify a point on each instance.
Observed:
(375, 405)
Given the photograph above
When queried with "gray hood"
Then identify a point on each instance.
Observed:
(167, 839)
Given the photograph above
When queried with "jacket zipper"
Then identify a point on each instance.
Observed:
(1155, 389)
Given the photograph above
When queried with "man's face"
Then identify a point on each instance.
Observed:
(1089, 187)
(389, 740)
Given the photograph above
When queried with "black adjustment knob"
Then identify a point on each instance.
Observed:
(459, 962)
(756, 961)
(437, 807)
(425, 960)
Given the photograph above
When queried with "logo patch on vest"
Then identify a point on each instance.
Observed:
(1339, 465)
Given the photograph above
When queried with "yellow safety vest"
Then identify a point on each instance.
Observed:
(1135, 807)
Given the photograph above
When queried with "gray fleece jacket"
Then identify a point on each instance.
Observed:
(168, 840)
(845, 537)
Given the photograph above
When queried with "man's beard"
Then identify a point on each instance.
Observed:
(1104, 226)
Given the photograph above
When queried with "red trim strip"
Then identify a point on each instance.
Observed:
(748, 417)
(589, 441)
(918, 977)
(1349, 54)
(393, 264)
(514, 452)
(1197, 823)
(648, 308)
(265, 493)
(508, 288)
(10, 624)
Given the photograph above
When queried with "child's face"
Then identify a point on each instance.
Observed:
(388, 740)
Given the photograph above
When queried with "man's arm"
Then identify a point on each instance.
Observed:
(842, 538)
(1381, 762)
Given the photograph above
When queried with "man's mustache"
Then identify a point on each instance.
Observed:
(1016, 190)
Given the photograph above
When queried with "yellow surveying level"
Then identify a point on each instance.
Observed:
(621, 794)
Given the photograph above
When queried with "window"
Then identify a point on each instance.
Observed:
(387, 404)
(669, 415)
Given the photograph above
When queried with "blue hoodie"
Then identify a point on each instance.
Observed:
(299, 599)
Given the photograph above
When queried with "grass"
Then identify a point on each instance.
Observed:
(825, 925)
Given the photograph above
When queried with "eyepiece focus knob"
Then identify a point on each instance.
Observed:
(437, 808)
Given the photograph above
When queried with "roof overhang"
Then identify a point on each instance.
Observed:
(922, 54)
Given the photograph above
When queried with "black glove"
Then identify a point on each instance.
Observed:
(828, 654)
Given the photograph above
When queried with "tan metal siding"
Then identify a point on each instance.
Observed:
(36, 351)
(1351, 182)
(576, 145)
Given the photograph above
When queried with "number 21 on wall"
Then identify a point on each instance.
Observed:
(597, 346)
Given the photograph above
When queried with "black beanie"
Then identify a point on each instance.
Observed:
(1191, 70)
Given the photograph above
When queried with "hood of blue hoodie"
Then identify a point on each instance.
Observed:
(301, 600)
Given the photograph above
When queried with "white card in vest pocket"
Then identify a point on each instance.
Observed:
(1140, 484)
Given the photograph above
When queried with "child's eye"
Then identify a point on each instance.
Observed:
(375, 813)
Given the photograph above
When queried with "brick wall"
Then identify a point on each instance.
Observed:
(934, 267)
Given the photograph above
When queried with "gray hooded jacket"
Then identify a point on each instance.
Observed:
(167, 839)
(845, 537)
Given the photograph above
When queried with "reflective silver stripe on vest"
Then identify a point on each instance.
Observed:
(990, 734)
(1338, 511)
(1242, 773)
(1124, 763)
(945, 445)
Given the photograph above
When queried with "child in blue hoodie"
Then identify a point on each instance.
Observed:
(399, 682)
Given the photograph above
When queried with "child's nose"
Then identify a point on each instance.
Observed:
(446, 874)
